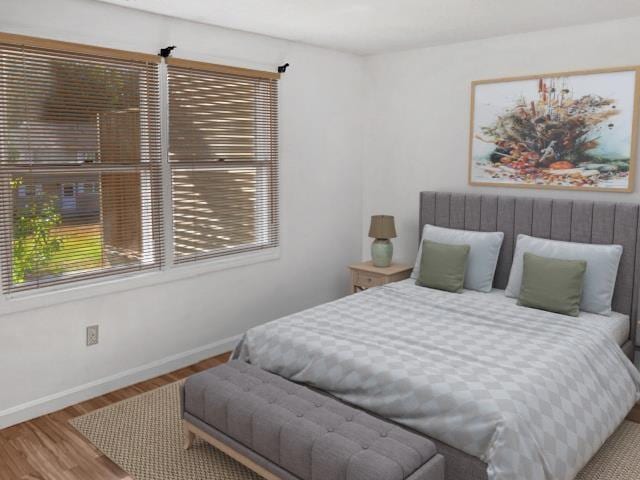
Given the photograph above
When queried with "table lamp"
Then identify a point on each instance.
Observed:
(382, 229)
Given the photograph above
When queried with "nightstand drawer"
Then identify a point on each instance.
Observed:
(366, 280)
(365, 275)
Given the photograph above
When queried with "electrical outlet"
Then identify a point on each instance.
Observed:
(92, 335)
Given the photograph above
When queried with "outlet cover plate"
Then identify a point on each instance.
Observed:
(92, 335)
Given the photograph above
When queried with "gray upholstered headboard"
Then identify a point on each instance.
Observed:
(557, 219)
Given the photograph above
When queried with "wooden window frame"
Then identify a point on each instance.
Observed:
(264, 160)
(79, 48)
(22, 301)
(138, 245)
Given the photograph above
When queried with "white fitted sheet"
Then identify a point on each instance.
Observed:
(616, 325)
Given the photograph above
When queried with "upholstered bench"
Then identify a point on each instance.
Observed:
(286, 431)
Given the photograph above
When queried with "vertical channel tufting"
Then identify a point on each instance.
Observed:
(602, 223)
(505, 224)
(523, 217)
(541, 221)
(561, 220)
(472, 212)
(427, 211)
(456, 213)
(636, 286)
(488, 213)
(443, 204)
(625, 229)
(581, 220)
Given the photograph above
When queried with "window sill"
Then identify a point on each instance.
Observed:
(20, 302)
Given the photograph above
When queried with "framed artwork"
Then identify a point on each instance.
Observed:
(574, 130)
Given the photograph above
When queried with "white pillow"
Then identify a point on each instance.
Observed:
(599, 279)
(483, 255)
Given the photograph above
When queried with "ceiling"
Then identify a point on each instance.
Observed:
(376, 26)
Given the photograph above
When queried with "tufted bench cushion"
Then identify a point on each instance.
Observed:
(297, 433)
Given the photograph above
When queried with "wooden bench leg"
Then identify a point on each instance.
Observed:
(191, 431)
(188, 437)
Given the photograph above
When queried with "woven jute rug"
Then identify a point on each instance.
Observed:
(143, 436)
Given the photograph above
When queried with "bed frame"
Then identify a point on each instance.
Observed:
(557, 219)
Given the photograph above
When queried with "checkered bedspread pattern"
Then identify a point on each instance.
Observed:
(531, 393)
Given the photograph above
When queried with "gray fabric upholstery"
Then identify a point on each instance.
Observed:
(307, 434)
(557, 219)
(459, 465)
(238, 447)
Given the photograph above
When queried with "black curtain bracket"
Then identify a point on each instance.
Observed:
(283, 68)
(165, 52)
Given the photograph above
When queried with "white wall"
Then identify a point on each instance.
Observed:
(418, 100)
(43, 360)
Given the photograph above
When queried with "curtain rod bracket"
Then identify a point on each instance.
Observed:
(165, 52)
(283, 68)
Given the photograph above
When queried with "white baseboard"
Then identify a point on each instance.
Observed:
(57, 401)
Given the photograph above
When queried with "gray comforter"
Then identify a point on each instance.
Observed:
(533, 394)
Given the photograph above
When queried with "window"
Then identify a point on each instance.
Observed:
(82, 171)
(80, 163)
(223, 154)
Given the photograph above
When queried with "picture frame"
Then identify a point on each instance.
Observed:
(572, 130)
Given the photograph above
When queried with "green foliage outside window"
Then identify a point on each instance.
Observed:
(35, 242)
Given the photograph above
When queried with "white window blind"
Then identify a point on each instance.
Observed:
(223, 156)
(80, 163)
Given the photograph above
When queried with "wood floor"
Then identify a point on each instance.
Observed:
(48, 448)
(634, 415)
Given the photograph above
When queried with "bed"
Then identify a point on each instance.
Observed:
(504, 391)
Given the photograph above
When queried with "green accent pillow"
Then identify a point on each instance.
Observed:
(552, 284)
(442, 266)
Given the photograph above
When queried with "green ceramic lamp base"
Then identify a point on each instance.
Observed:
(381, 252)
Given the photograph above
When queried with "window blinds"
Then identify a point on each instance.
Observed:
(223, 156)
(80, 163)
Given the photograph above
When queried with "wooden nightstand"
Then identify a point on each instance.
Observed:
(365, 275)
